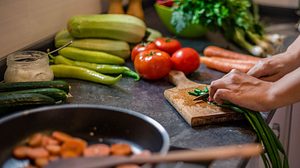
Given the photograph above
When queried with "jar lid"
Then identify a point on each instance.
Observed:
(27, 57)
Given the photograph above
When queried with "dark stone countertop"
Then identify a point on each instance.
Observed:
(147, 98)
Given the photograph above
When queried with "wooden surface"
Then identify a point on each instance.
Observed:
(194, 112)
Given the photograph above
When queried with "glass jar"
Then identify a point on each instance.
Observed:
(25, 66)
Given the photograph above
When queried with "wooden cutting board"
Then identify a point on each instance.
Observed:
(195, 113)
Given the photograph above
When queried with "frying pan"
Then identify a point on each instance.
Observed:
(94, 123)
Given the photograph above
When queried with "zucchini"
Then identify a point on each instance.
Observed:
(114, 47)
(112, 26)
(18, 100)
(56, 94)
(59, 84)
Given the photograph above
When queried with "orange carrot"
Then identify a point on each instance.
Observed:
(214, 51)
(120, 149)
(225, 65)
(61, 136)
(235, 61)
(73, 148)
(96, 150)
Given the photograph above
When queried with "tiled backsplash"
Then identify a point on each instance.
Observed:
(24, 22)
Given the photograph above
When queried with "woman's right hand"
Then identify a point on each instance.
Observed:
(273, 68)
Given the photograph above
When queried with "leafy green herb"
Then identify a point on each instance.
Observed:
(225, 16)
(273, 147)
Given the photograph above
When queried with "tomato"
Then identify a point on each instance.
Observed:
(141, 47)
(153, 64)
(168, 3)
(186, 60)
(168, 45)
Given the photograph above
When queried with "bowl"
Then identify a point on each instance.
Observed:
(93, 123)
(191, 31)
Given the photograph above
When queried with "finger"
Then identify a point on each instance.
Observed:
(221, 95)
(217, 84)
(271, 78)
(257, 70)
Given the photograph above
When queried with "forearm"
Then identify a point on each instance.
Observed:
(286, 90)
(293, 51)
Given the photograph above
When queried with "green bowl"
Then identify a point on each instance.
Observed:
(191, 31)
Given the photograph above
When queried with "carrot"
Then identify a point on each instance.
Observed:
(47, 140)
(96, 150)
(235, 61)
(225, 65)
(120, 149)
(214, 51)
(128, 166)
(41, 162)
(53, 149)
(20, 152)
(34, 153)
(73, 148)
(35, 140)
(61, 136)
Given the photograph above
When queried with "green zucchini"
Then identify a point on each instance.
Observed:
(19, 100)
(59, 84)
(114, 47)
(56, 94)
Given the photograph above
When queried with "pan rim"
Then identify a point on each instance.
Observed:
(164, 134)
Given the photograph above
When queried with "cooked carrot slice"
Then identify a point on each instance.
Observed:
(20, 152)
(53, 149)
(120, 149)
(34, 153)
(73, 148)
(97, 150)
(35, 140)
(41, 162)
(47, 140)
(61, 136)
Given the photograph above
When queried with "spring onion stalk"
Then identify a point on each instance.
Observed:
(239, 38)
(260, 42)
(275, 39)
(274, 156)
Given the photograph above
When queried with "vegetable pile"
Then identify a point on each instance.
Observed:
(154, 60)
(42, 148)
(94, 47)
(237, 20)
(274, 151)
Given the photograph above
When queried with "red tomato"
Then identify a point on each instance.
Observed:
(153, 64)
(168, 3)
(168, 45)
(141, 47)
(186, 60)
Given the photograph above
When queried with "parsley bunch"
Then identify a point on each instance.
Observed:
(237, 20)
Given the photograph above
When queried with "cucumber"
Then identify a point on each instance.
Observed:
(56, 94)
(18, 100)
(59, 84)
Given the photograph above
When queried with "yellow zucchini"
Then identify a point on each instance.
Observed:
(114, 47)
(113, 26)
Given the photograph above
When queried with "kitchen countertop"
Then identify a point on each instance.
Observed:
(147, 98)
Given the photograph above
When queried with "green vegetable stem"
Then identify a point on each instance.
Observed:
(273, 147)
(68, 71)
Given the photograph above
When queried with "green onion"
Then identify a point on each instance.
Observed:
(273, 147)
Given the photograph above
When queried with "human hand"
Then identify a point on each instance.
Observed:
(243, 90)
(275, 67)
